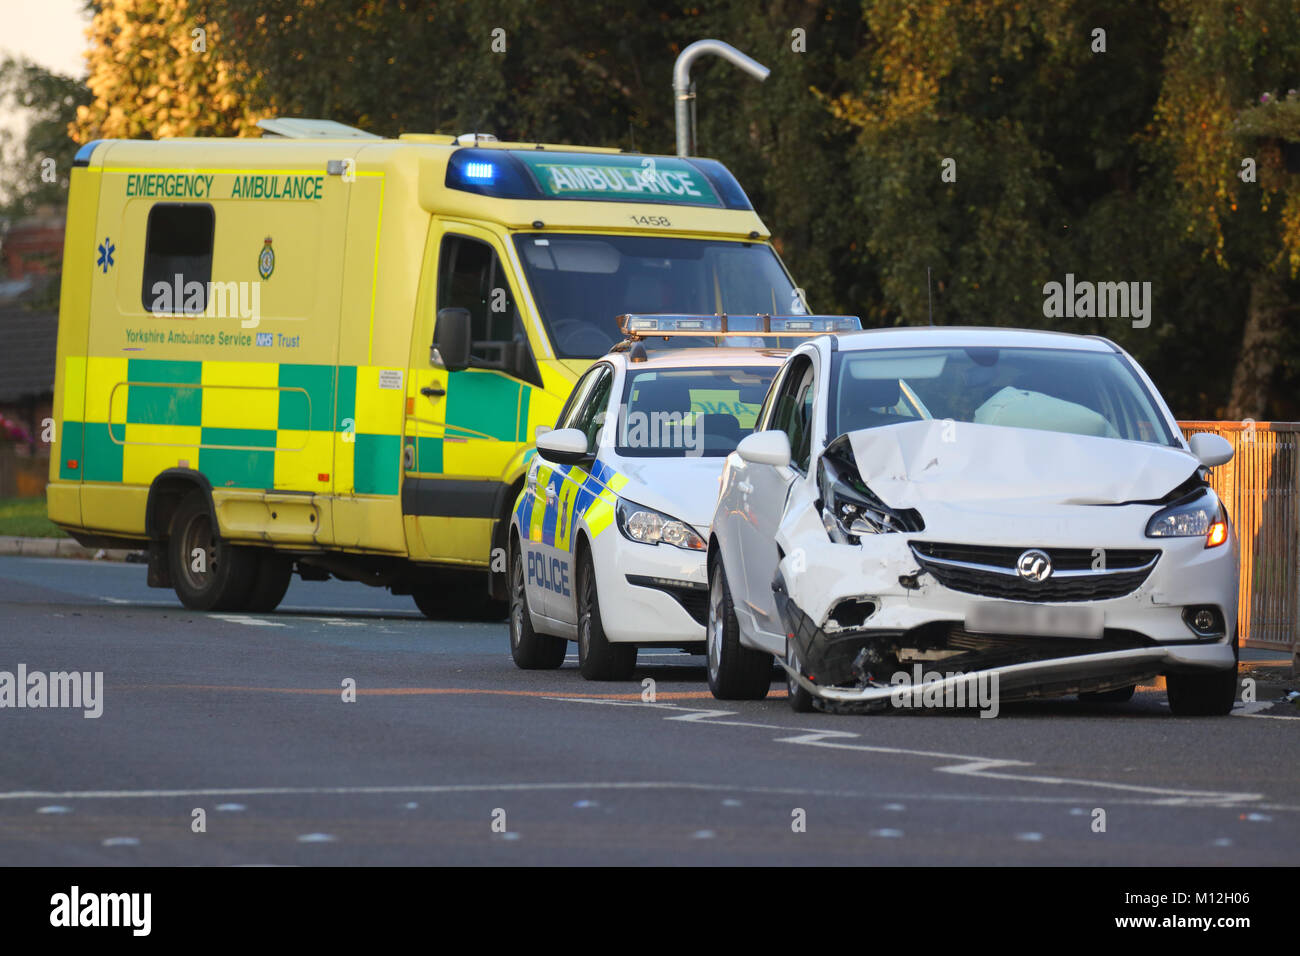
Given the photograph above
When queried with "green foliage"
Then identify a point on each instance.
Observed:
(1114, 165)
(49, 103)
(26, 518)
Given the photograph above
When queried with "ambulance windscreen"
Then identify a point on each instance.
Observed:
(581, 283)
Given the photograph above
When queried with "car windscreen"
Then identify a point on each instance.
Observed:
(581, 283)
(1060, 390)
(689, 412)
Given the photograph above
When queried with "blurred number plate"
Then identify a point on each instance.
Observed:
(1039, 621)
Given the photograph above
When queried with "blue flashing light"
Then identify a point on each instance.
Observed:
(84, 153)
(723, 182)
(489, 172)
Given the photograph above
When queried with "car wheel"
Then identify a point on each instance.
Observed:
(274, 571)
(1204, 694)
(735, 671)
(208, 572)
(531, 651)
(1117, 696)
(800, 698)
(598, 658)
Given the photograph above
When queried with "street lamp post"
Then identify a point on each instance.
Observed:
(684, 93)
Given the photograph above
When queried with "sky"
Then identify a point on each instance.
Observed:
(50, 32)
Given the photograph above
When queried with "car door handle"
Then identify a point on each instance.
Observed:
(550, 494)
(745, 487)
(433, 391)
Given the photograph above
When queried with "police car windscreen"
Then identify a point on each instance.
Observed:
(689, 412)
(583, 283)
(1059, 390)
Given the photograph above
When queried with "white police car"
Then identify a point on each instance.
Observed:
(607, 542)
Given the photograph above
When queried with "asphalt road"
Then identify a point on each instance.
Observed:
(449, 755)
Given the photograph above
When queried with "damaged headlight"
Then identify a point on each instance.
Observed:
(647, 526)
(849, 508)
(1200, 514)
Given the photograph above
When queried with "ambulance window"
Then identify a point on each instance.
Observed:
(178, 243)
(471, 277)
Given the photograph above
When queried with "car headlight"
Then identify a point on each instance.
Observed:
(647, 526)
(849, 508)
(1199, 515)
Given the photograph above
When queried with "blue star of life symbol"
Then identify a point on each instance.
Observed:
(106, 250)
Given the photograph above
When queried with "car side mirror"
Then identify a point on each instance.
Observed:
(563, 446)
(1211, 449)
(765, 448)
(451, 340)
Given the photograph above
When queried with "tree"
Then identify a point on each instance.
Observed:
(162, 68)
(1220, 57)
(35, 170)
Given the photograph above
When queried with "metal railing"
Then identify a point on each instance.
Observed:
(1261, 489)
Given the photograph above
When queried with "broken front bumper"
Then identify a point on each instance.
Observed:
(883, 614)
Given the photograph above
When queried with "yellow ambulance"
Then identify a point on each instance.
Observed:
(328, 352)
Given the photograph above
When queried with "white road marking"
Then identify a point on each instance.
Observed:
(887, 832)
(316, 838)
(585, 785)
(967, 765)
(120, 841)
(247, 621)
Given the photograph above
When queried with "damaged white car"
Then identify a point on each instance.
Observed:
(961, 503)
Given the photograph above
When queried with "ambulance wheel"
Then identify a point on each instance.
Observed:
(598, 658)
(274, 571)
(531, 651)
(453, 595)
(208, 572)
(735, 671)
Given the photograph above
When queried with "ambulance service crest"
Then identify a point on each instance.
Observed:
(266, 260)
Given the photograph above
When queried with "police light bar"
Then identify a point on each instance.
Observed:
(636, 327)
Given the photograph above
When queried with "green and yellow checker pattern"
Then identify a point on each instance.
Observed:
(255, 425)
(487, 418)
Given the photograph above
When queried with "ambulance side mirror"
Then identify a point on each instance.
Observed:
(451, 340)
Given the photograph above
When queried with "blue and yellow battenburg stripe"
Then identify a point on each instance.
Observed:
(590, 495)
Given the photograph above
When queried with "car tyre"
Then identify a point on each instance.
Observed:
(1204, 694)
(735, 672)
(224, 581)
(800, 698)
(598, 658)
(531, 651)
